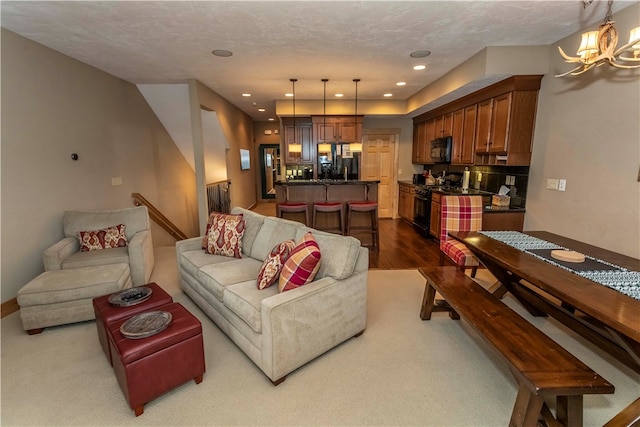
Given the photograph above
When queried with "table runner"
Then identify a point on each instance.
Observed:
(619, 278)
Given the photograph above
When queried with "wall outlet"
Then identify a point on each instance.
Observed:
(552, 184)
(399, 171)
(562, 185)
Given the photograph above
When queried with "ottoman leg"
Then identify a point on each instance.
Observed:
(139, 410)
(35, 331)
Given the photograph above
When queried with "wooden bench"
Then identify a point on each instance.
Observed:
(541, 367)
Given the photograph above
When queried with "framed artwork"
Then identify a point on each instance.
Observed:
(245, 159)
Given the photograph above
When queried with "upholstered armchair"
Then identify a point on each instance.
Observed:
(138, 252)
(459, 213)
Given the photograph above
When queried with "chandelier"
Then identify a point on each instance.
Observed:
(324, 147)
(599, 47)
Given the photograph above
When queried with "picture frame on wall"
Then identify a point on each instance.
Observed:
(245, 159)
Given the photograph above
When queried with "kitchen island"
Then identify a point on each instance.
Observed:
(318, 190)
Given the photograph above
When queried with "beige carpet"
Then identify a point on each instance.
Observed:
(402, 371)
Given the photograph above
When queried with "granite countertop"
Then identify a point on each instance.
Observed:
(472, 192)
(324, 182)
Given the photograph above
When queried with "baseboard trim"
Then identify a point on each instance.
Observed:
(9, 307)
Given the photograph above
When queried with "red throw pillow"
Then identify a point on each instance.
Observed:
(302, 266)
(225, 235)
(272, 266)
(110, 237)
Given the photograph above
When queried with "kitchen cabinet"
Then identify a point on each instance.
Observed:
(434, 219)
(406, 201)
(502, 221)
(497, 123)
(493, 124)
(333, 129)
(421, 145)
(303, 131)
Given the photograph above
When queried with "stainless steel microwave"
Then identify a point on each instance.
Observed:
(441, 150)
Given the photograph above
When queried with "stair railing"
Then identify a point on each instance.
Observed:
(158, 217)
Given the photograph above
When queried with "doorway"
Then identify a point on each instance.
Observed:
(379, 164)
(269, 169)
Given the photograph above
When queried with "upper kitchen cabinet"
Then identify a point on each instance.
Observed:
(334, 129)
(303, 131)
(493, 126)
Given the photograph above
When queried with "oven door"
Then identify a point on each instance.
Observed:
(422, 213)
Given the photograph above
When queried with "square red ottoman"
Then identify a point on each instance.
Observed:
(107, 313)
(149, 367)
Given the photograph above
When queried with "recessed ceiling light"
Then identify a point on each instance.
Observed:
(419, 67)
(339, 95)
(420, 54)
(222, 53)
(271, 119)
(262, 110)
(401, 83)
(388, 94)
(288, 94)
(246, 94)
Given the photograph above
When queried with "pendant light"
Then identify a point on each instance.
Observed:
(356, 147)
(324, 147)
(294, 147)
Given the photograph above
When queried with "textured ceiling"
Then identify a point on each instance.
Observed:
(273, 41)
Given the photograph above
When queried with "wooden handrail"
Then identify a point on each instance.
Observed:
(158, 217)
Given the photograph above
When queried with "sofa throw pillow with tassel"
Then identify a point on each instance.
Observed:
(225, 235)
(272, 266)
(106, 238)
(302, 266)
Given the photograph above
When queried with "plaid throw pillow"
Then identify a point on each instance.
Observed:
(302, 266)
(272, 266)
(225, 235)
(106, 238)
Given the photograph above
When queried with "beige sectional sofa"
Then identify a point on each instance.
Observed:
(279, 332)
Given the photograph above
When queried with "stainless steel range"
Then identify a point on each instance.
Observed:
(422, 209)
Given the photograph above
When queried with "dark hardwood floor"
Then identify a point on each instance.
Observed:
(401, 247)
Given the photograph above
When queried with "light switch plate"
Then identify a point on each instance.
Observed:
(552, 184)
(116, 181)
(562, 185)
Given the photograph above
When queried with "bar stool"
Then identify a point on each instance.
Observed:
(365, 206)
(294, 207)
(289, 206)
(329, 207)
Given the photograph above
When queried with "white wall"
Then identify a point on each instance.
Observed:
(588, 132)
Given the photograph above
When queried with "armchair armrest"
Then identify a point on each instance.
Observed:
(141, 258)
(57, 252)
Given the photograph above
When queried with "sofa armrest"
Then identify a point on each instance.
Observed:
(141, 257)
(192, 244)
(301, 324)
(57, 252)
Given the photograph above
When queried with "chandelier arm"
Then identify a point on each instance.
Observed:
(568, 58)
(626, 47)
(627, 59)
(626, 67)
(586, 68)
(571, 71)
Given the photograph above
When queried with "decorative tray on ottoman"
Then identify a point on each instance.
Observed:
(146, 324)
(131, 296)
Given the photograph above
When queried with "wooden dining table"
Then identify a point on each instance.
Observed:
(603, 315)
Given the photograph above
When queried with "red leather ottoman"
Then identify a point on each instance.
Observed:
(149, 367)
(107, 313)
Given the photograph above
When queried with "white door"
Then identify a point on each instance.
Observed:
(378, 150)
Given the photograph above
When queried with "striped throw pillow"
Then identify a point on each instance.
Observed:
(302, 266)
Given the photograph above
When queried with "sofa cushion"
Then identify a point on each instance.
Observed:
(225, 235)
(339, 253)
(216, 277)
(253, 223)
(95, 258)
(272, 266)
(192, 261)
(106, 238)
(302, 266)
(245, 300)
(273, 231)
